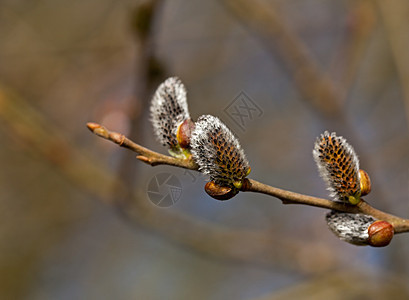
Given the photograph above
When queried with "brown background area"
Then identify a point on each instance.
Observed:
(310, 65)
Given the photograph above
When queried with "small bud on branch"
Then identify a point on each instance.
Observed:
(184, 132)
(365, 183)
(380, 234)
(219, 192)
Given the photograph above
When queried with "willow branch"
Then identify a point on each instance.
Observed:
(250, 185)
(287, 197)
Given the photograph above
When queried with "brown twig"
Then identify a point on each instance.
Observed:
(154, 158)
(145, 155)
(287, 197)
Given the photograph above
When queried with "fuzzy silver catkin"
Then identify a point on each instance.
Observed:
(338, 165)
(168, 110)
(218, 152)
(351, 228)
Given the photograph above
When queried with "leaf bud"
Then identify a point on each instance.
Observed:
(219, 192)
(365, 183)
(380, 233)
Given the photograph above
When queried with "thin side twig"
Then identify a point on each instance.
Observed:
(145, 155)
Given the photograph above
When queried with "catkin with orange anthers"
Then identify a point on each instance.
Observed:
(338, 165)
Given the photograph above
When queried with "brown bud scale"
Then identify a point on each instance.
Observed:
(365, 183)
(184, 133)
(220, 192)
(380, 233)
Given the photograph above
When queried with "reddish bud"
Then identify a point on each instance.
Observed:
(220, 192)
(184, 132)
(380, 234)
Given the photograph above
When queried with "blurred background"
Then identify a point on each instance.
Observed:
(77, 219)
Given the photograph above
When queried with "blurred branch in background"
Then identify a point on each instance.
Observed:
(265, 22)
(147, 71)
(360, 26)
(395, 18)
(27, 127)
